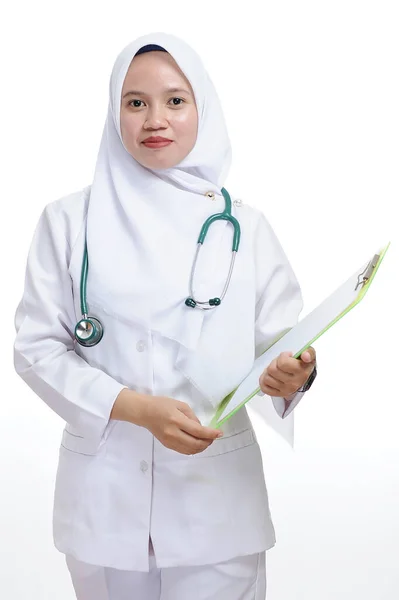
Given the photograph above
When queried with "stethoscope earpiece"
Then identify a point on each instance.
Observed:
(88, 331)
(212, 302)
(215, 301)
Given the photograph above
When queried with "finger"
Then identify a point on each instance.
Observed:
(293, 366)
(196, 446)
(276, 374)
(309, 355)
(186, 444)
(270, 383)
(197, 430)
(188, 411)
(191, 445)
(194, 427)
(270, 391)
(274, 370)
(288, 365)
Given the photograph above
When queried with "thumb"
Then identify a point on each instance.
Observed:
(188, 412)
(309, 355)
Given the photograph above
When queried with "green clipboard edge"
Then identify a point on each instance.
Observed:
(216, 424)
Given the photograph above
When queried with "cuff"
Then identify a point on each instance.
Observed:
(284, 406)
(94, 424)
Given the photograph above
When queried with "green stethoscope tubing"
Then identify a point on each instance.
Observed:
(226, 216)
(89, 330)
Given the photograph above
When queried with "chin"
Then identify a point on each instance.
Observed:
(164, 163)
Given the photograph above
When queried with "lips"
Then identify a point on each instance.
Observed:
(155, 139)
(156, 142)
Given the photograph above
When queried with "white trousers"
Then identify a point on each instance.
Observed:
(242, 578)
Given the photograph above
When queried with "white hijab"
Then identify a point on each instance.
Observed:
(142, 232)
(143, 224)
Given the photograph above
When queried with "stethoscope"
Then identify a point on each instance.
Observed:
(89, 330)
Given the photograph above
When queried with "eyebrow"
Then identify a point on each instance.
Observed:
(168, 90)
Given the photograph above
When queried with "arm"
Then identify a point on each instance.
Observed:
(279, 301)
(45, 319)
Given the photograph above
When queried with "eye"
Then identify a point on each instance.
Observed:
(136, 106)
(181, 100)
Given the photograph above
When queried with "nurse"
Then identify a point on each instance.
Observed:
(146, 494)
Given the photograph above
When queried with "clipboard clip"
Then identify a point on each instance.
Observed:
(366, 274)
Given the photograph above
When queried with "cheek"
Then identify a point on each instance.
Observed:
(185, 126)
(130, 130)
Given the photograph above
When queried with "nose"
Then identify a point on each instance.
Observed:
(156, 118)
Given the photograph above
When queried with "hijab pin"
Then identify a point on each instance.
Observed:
(210, 195)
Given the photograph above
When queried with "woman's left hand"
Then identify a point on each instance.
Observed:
(285, 374)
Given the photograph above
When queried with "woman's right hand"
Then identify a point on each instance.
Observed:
(176, 426)
(171, 421)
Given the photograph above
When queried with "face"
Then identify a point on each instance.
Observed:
(157, 101)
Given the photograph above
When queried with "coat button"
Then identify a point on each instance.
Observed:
(144, 466)
(141, 346)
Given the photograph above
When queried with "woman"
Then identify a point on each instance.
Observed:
(144, 491)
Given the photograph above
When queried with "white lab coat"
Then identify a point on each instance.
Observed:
(116, 484)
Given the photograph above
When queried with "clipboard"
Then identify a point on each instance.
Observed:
(302, 335)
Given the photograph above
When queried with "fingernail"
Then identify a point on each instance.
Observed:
(220, 434)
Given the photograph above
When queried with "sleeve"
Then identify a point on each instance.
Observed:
(278, 301)
(45, 319)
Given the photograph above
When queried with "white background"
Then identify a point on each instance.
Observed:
(310, 94)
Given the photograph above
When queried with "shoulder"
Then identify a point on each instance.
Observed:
(261, 232)
(72, 206)
(69, 213)
(253, 216)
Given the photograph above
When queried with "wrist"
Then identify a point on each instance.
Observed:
(129, 406)
(308, 383)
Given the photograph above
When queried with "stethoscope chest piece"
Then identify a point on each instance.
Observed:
(88, 331)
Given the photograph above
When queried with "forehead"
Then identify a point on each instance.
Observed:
(155, 64)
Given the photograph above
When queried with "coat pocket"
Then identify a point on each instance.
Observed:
(78, 444)
(73, 441)
(229, 443)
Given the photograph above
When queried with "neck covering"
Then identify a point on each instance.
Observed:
(143, 224)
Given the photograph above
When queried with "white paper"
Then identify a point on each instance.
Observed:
(300, 336)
